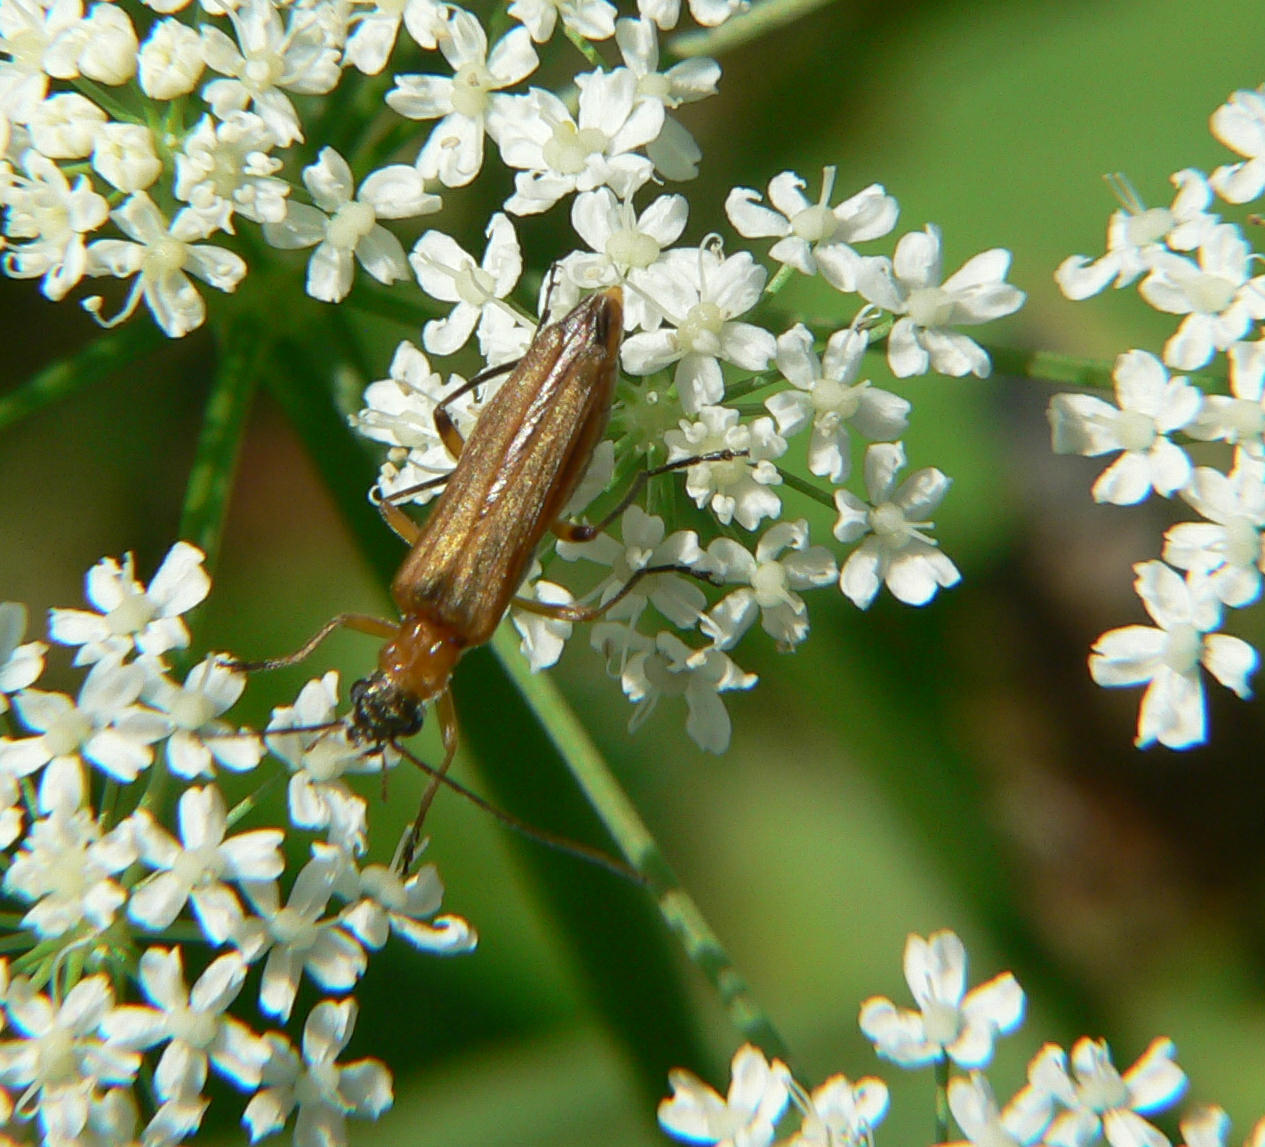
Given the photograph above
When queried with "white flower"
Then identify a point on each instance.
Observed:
(1210, 1127)
(950, 1020)
(375, 26)
(297, 938)
(400, 411)
(170, 62)
(191, 1022)
(739, 488)
(223, 168)
(454, 151)
(709, 13)
(159, 255)
(840, 1113)
(267, 60)
(1237, 417)
(1151, 407)
(771, 580)
(975, 1111)
(104, 726)
(827, 395)
(558, 154)
(591, 19)
(54, 217)
(1228, 545)
(103, 45)
(447, 273)
(65, 867)
(60, 1059)
(643, 545)
(625, 244)
(131, 615)
(747, 1117)
(318, 753)
(385, 902)
(897, 548)
(666, 666)
(195, 868)
(1219, 296)
(807, 231)
(1239, 123)
(341, 226)
(64, 126)
(1167, 658)
(197, 736)
(909, 286)
(1136, 234)
(123, 155)
(1099, 1100)
(20, 664)
(674, 152)
(542, 636)
(39, 42)
(701, 293)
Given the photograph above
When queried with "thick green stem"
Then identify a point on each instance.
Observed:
(637, 845)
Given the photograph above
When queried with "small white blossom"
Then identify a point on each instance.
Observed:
(1151, 406)
(1237, 417)
(162, 255)
(975, 1111)
(318, 753)
(341, 226)
(385, 902)
(192, 1022)
(454, 151)
(171, 61)
(267, 60)
(806, 231)
(103, 45)
(542, 636)
(123, 155)
(297, 937)
(666, 666)
(133, 616)
(20, 664)
(64, 126)
(643, 545)
(840, 1113)
(827, 395)
(1137, 233)
(1227, 546)
(1167, 658)
(105, 727)
(1218, 295)
(624, 244)
(701, 293)
(909, 286)
(738, 489)
(590, 19)
(897, 548)
(195, 868)
(65, 866)
(747, 1117)
(61, 1060)
(223, 169)
(324, 1091)
(447, 273)
(1101, 1101)
(1239, 123)
(374, 27)
(39, 41)
(53, 217)
(709, 13)
(950, 1020)
(771, 578)
(557, 154)
(198, 737)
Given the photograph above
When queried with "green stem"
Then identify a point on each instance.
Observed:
(637, 845)
(106, 353)
(808, 489)
(942, 1101)
(758, 21)
(1071, 370)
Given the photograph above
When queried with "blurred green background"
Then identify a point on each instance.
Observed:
(907, 770)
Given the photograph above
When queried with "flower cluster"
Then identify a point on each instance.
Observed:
(108, 877)
(1068, 1101)
(1186, 261)
(169, 145)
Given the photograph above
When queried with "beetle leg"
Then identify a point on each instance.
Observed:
(447, 711)
(361, 622)
(581, 613)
